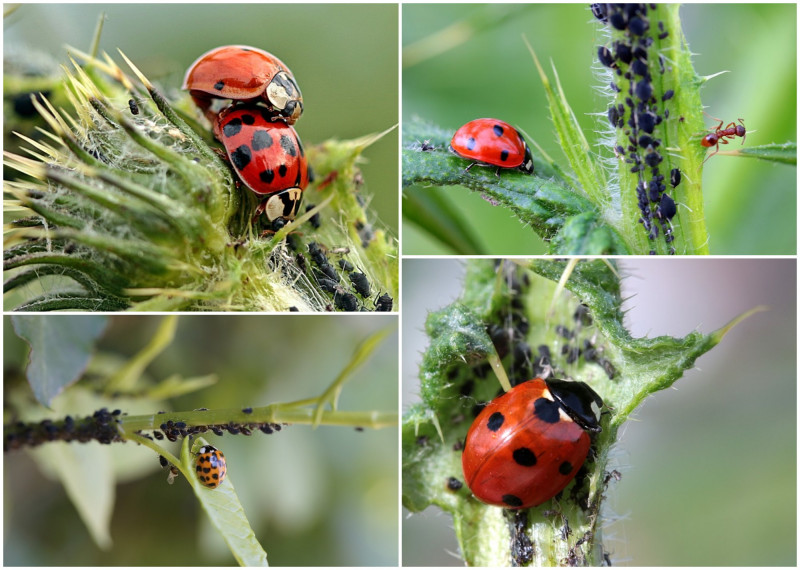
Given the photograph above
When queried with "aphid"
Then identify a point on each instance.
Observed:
(134, 107)
(346, 301)
(666, 208)
(675, 177)
(384, 303)
(361, 283)
(720, 135)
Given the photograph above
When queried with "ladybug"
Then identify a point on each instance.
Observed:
(491, 142)
(244, 73)
(267, 156)
(528, 444)
(210, 466)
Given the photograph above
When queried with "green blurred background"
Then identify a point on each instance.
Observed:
(324, 497)
(749, 205)
(344, 58)
(709, 468)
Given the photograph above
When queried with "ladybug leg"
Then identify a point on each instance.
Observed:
(259, 210)
(497, 172)
(470, 166)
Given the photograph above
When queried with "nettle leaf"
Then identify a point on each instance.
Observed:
(60, 350)
(224, 510)
(546, 201)
(520, 313)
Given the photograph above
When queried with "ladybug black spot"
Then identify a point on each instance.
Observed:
(498, 130)
(346, 302)
(565, 468)
(504, 155)
(546, 410)
(471, 143)
(241, 157)
(261, 140)
(496, 421)
(248, 119)
(232, 127)
(512, 500)
(267, 176)
(288, 146)
(524, 456)
(219, 85)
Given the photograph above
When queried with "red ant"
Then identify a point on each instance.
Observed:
(720, 135)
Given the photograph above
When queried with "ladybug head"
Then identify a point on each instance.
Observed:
(285, 97)
(527, 162)
(580, 402)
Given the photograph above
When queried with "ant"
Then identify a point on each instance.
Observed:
(720, 135)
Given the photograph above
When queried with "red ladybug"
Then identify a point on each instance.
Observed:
(528, 444)
(267, 156)
(245, 74)
(491, 142)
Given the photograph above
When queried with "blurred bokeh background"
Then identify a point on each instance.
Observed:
(487, 72)
(314, 497)
(709, 468)
(344, 58)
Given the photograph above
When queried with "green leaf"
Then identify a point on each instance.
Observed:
(545, 201)
(224, 511)
(87, 473)
(60, 350)
(589, 172)
(456, 374)
(126, 377)
(785, 153)
(429, 212)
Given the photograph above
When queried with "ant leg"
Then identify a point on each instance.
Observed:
(712, 154)
(720, 121)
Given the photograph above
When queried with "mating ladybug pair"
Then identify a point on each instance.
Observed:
(256, 128)
(528, 444)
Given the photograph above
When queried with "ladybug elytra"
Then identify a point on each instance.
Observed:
(210, 466)
(528, 444)
(246, 74)
(267, 156)
(492, 142)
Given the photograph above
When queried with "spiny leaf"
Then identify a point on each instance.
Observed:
(584, 337)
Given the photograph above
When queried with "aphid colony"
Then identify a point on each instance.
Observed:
(632, 60)
(252, 100)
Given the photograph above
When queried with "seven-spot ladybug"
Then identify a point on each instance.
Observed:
(528, 444)
(268, 157)
(210, 466)
(491, 142)
(243, 73)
